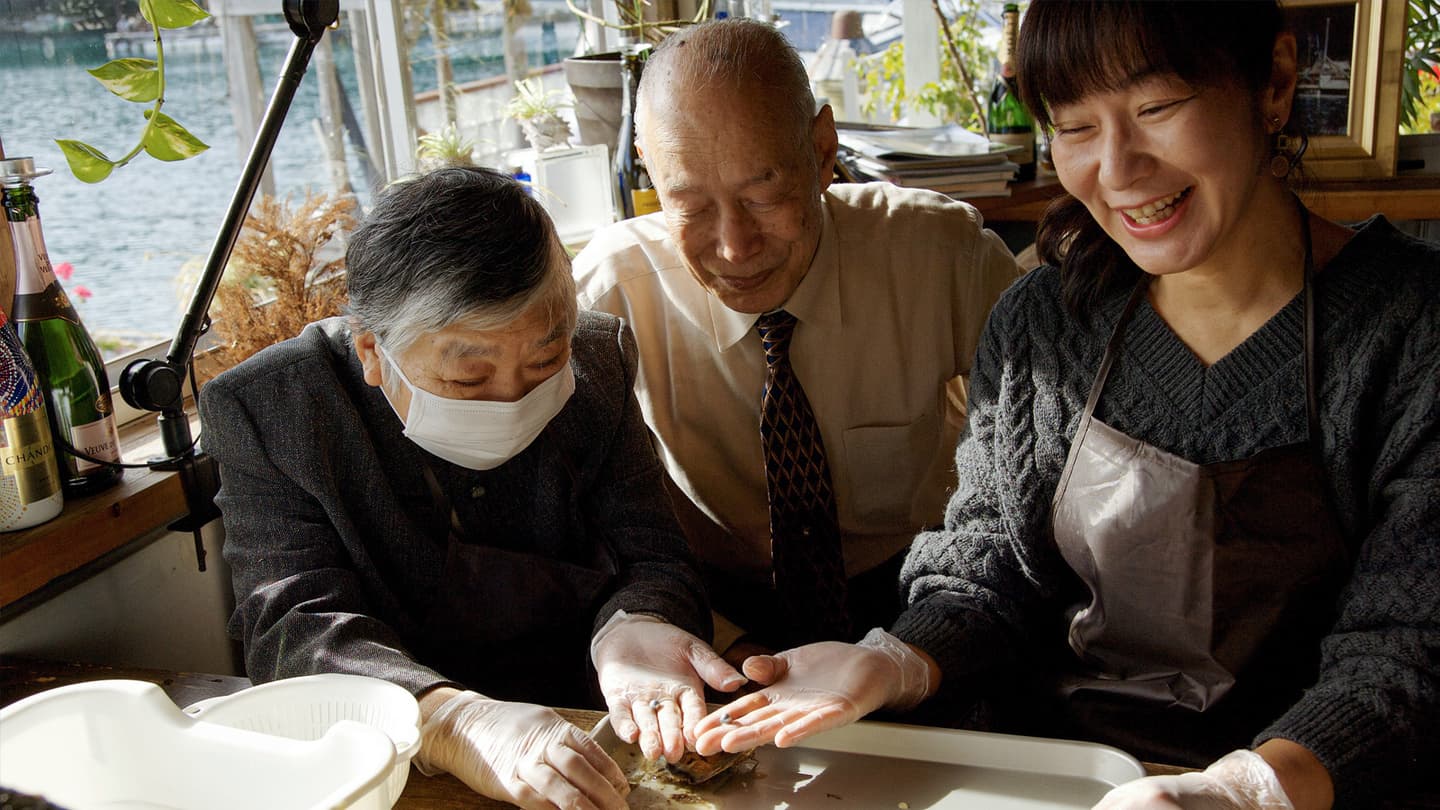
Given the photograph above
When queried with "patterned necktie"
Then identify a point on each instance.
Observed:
(804, 530)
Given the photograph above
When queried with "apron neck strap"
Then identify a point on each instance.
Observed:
(1312, 397)
(1112, 347)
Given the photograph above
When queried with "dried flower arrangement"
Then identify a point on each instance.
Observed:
(280, 276)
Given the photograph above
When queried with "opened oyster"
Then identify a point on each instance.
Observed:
(693, 769)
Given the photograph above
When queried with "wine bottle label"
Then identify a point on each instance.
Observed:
(98, 439)
(27, 457)
(34, 273)
(645, 200)
(51, 302)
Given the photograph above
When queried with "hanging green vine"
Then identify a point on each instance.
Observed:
(141, 81)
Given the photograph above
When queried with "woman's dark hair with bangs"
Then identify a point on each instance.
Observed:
(1071, 48)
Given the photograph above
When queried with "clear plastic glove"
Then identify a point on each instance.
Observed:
(1240, 780)
(815, 688)
(653, 677)
(519, 753)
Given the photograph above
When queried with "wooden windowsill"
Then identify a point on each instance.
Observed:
(90, 527)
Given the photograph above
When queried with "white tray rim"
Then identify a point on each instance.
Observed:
(982, 749)
(976, 749)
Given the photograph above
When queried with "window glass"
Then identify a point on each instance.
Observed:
(135, 241)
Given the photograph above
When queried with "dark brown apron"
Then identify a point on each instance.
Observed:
(1199, 575)
(514, 625)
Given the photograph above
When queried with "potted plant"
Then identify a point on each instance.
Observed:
(595, 78)
(537, 110)
(444, 147)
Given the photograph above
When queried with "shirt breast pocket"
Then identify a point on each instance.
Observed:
(884, 465)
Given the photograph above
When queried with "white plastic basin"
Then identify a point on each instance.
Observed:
(123, 745)
(306, 707)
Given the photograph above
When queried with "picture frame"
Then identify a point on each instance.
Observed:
(1349, 54)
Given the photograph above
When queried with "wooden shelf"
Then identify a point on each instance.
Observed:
(86, 530)
(90, 527)
(1410, 197)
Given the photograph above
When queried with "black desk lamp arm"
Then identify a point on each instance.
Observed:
(158, 385)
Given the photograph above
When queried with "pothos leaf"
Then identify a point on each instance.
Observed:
(131, 79)
(86, 162)
(172, 13)
(167, 140)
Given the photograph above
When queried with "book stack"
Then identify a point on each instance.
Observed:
(948, 159)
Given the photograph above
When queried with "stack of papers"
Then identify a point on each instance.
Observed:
(947, 159)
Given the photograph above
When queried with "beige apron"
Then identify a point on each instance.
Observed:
(1196, 572)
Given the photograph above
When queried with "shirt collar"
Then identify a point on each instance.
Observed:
(816, 300)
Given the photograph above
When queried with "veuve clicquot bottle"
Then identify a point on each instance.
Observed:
(1006, 117)
(69, 368)
(637, 193)
(30, 491)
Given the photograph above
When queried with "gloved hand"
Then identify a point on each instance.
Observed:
(815, 688)
(1240, 780)
(519, 753)
(653, 676)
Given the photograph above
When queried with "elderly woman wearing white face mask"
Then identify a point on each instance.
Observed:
(453, 489)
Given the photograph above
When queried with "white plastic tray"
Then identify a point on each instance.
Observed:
(883, 766)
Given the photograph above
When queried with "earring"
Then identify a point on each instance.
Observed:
(1288, 151)
(1273, 124)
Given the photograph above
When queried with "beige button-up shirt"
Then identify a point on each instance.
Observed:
(889, 316)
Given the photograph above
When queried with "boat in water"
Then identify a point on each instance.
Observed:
(1324, 75)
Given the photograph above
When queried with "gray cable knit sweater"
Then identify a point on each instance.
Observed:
(988, 592)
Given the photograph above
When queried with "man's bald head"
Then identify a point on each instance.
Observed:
(726, 60)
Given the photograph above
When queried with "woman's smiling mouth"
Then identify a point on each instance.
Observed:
(1157, 211)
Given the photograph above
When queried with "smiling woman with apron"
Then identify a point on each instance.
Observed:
(1182, 560)
(1210, 585)
(1197, 504)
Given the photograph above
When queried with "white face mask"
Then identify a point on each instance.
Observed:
(478, 434)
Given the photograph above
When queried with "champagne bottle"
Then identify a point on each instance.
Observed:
(30, 491)
(67, 364)
(637, 193)
(1006, 117)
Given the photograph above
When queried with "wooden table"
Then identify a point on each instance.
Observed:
(20, 678)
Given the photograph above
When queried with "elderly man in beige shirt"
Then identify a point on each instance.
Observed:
(888, 289)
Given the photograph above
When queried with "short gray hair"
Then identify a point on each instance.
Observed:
(734, 54)
(458, 245)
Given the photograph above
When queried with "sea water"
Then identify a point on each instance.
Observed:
(138, 240)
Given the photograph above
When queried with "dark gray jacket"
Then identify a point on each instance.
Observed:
(339, 548)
